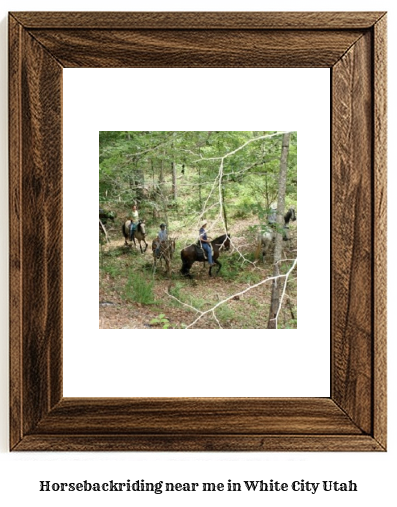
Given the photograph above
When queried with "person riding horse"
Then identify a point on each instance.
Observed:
(272, 216)
(134, 217)
(161, 237)
(272, 219)
(205, 243)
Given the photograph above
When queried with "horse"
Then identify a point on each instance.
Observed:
(139, 234)
(166, 252)
(288, 217)
(193, 253)
(265, 239)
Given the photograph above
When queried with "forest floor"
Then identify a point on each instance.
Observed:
(134, 295)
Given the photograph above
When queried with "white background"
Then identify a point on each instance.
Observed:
(20, 473)
(217, 362)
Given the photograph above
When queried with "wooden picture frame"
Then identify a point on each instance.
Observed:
(353, 46)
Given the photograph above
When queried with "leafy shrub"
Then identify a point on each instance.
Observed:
(225, 314)
(161, 320)
(111, 269)
(175, 290)
(138, 289)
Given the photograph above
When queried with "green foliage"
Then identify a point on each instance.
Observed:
(163, 322)
(175, 291)
(114, 253)
(291, 324)
(112, 270)
(136, 165)
(225, 314)
(138, 289)
(196, 302)
(111, 263)
(251, 277)
(232, 267)
(160, 320)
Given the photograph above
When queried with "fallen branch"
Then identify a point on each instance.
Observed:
(104, 230)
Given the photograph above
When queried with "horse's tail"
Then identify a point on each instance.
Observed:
(125, 229)
(185, 264)
(182, 256)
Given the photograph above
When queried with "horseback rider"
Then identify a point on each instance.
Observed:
(134, 217)
(272, 220)
(205, 243)
(272, 216)
(161, 237)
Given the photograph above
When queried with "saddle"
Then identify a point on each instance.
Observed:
(200, 252)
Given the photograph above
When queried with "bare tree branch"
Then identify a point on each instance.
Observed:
(238, 294)
(104, 230)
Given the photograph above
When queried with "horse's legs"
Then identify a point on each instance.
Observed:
(219, 264)
(125, 234)
(139, 239)
(167, 265)
(186, 265)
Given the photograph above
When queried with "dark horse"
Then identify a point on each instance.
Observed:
(288, 217)
(193, 253)
(139, 233)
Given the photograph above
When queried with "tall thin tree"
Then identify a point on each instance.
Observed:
(174, 184)
(282, 184)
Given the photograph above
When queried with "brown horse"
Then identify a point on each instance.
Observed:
(166, 252)
(139, 234)
(193, 253)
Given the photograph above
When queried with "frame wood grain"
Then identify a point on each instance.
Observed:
(353, 46)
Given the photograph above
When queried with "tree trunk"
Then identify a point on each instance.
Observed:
(282, 183)
(199, 187)
(224, 209)
(139, 182)
(174, 188)
(161, 177)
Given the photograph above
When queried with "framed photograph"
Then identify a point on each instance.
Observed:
(353, 46)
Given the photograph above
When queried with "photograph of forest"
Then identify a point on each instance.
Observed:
(198, 230)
